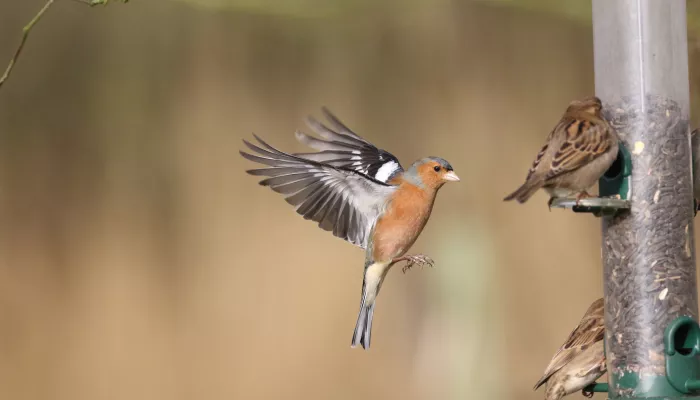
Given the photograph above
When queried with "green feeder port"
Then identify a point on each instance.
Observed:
(614, 188)
(681, 348)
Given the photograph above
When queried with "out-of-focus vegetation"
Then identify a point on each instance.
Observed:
(571, 9)
(26, 30)
(576, 11)
(303, 8)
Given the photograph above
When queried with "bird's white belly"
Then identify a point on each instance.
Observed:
(558, 192)
(577, 383)
(373, 279)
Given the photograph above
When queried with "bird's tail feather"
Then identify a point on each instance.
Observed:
(541, 381)
(524, 192)
(363, 327)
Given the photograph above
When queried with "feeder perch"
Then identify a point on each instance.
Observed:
(614, 190)
(596, 388)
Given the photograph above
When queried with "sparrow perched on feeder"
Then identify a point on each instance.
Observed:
(360, 193)
(578, 151)
(580, 360)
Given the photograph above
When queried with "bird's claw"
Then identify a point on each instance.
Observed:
(418, 259)
(587, 393)
(582, 195)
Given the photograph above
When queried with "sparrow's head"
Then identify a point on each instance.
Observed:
(591, 105)
(596, 309)
(432, 172)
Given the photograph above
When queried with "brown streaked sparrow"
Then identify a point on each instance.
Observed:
(578, 151)
(580, 360)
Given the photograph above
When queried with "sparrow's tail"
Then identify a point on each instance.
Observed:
(525, 191)
(541, 381)
(363, 327)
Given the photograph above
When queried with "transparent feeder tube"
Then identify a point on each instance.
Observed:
(641, 75)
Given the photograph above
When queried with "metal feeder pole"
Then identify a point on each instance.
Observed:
(641, 75)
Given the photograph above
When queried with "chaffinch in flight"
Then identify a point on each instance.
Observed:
(578, 151)
(580, 360)
(360, 193)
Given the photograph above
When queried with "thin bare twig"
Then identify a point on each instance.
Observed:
(93, 3)
(30, 25)
(25, 34)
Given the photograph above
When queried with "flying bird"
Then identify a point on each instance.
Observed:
(578, 151)
(580, 360)
(360, 193)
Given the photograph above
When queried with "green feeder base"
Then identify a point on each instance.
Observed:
(682, 379)
(631, 386)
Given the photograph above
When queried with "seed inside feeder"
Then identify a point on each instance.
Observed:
(646, 253)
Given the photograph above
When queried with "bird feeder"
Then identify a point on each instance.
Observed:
(641, 75)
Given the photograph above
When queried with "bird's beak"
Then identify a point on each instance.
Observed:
(451, 176)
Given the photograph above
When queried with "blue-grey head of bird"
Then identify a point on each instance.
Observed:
(431, 173)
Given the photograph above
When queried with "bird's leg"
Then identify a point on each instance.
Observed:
(411, 260)
(549, 203)
(587, 393)
(580, 196)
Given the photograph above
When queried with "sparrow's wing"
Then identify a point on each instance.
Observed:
(540, 155)
(341, 147)
(585, 137)
(593, 361)
(340, 200)
(590, 330)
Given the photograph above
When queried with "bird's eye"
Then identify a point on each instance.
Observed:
(437, 168)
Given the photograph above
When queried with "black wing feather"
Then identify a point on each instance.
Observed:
(341, 200)
(343, 148)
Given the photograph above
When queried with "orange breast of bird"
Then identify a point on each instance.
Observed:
(404, 219)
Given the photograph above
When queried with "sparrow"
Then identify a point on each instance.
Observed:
(580, 360)
(360, 193)
(578, 151)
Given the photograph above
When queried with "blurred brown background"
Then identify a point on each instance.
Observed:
(139, 261)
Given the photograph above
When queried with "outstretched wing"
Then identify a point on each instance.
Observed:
(341, 147)
(340, 200)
